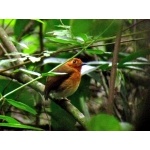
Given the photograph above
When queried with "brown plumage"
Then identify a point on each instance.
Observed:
(62, 86)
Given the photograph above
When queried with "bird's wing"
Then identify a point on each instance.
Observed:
(52, 83)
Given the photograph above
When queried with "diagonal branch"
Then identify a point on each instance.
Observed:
(9, 45)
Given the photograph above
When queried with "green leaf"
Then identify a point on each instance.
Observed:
(93, 27)
(84, 37)
(39, 20)
(19, 26)
(61, 120)
(94, 51)
(22, 106)
(18, 125)
(134, 55)
(8, 23)
(107, 27)
(105, 67)
(32, 43)
(79, 26)
(103, 122)
(9, 119)
(62, 41)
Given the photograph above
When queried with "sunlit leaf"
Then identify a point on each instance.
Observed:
(80, 39)
(9, 119)
(23, 45)
(32, 43)
(84, 37)
(17, 125)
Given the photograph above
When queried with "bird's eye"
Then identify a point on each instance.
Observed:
(74, 61)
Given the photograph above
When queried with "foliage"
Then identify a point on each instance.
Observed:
(45, 44)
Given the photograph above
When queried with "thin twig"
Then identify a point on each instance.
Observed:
(125, 41)
(27, 29)
(8, 24)
(41, 41)
(113, 73)
(133, 25)
(104, 83)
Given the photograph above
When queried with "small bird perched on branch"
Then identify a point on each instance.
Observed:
(62, 86)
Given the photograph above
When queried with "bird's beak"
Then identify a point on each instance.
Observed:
(83, 63)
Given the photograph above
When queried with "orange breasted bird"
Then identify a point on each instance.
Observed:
(62, 86)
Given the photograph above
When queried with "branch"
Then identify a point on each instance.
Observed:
(9, 45)
(113, 72)
(6, 41)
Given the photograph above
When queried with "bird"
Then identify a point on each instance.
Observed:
(64, 85)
